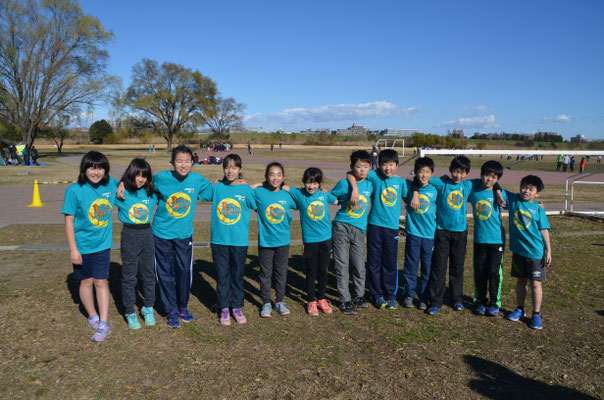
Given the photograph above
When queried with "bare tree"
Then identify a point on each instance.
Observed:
(223, 114)
(52, 61)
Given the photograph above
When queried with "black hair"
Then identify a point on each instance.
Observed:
(234, 157)
(360, 155)
(93, 159)
(533, 180)
(491, 167)
(460, 162)
(423, 162)
(266, 183)
(312, 174)
(137, 167)
(181, 148)
(387, 155)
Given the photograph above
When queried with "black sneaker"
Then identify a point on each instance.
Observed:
(360, 302)
(347, 308)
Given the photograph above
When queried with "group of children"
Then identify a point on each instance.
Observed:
(159, 247)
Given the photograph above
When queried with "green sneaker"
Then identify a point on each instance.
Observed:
(132, 321)
(148, 316)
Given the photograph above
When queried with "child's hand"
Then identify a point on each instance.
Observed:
(121, 189)
(499, 199)
(548, 258)
(242, 181)
(215, 181)
(256, 185)
(323, 190)
(541, 205)
(75, 257)
(285, 187)
(415, 204)
(445, 176)
(354, 196)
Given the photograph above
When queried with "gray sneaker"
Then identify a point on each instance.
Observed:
(408, 302)
(422, 305)
(281, 308)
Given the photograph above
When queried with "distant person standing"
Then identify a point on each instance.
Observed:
(6, 154)
(249, 150)
(572, 163)
(374, 159)
(582, 165)
(272, 147)
(34, 155)
(25, 154)
(559, 162)
(599, 160)
(13, 154)
(565, 162)
(150, 149)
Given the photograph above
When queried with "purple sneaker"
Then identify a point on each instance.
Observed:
(239, 317)
(93, 322)
(225, 318)
(101, 332)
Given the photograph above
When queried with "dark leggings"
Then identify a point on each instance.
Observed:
(316, 257)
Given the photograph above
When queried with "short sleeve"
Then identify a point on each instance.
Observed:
(208, 193)
(472, 185)
(372, 177)
(70, 204)
(340, 189)
(203, 183)
(295, 193)
(250, 199)
(293, 205)
(404, 188)
(543, 221)
(113, 185)
(437, 182)
(330, 198)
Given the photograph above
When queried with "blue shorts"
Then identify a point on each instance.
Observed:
(94, 265)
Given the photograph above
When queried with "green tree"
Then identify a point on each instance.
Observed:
(99, 131)
(57, 131)
(170, 95)
(52, 61)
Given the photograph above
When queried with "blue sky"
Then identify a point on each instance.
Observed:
(514, 66)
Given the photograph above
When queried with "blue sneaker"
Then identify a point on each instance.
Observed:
(282, 308)
(379, 303)
(265, 312)
(516, 314)
(433, 310)
(392, 304)
(458, 307)
(132, 321)
(480, 310)
(186, 316)
(148, 316)
(173, 320)
(536, 322)
(493, 311)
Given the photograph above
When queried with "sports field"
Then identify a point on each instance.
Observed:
(45, 350)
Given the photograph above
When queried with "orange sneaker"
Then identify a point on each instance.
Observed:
(312, 309)
(324, 306)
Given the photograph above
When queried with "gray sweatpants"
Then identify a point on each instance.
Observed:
(349, 259)
(138, 257)
(273, 263)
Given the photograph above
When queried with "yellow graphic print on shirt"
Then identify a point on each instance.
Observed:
(316, 210)
(455, 199)
(275, 213)
(139, 213)
(229, 211)
(99, 213)
(483, 209)
(389, 197)
(522, 219)
(358, 210)
(178, 205)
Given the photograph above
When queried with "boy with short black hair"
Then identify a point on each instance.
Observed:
(382, 229)
(420, 225)
(349, 227)
(489, 240)
(530, 245)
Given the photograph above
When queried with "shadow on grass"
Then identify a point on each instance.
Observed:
(115, 289)
(500, 383)
(296, 281)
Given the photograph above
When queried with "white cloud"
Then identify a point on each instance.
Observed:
(331, 113)
(477, 109)
(485, 122)
(560, 118)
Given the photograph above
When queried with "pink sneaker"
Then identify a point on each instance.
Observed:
(239, 317)
(225, 318)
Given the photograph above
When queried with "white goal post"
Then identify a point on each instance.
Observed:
(425, 152)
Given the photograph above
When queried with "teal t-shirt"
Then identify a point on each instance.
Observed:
(527, 219)
(353, 215)
(231, 206)
(451, 207)
(422, 223)
(488, 228)
(176, 203)
(91, 206)
(274, 217)
(137, 207)
(386, 199)
(315, 219)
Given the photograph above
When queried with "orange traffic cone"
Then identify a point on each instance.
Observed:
(36, 201)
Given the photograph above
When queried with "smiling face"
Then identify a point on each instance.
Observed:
(529, 192)
(275, 176)
(360, 169)
(312, 187)
(140, 180)
(488, 181)
(182, 164)
(424, 174)
(95, 175)
(231, 171)
(389, 168)
(458, 175)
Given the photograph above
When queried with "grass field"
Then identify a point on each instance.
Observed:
(45, 351)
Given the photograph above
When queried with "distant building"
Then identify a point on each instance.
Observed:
(456, 134)
(399, 132)
(577, 139)
(354, 130)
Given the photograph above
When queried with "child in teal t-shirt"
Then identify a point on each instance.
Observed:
(530, 245)
(231, 204)
(489, 241)
(315, 221)
(89, 228)
(420, 225)
(274, 219)
(349, 227)
(137, 243)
